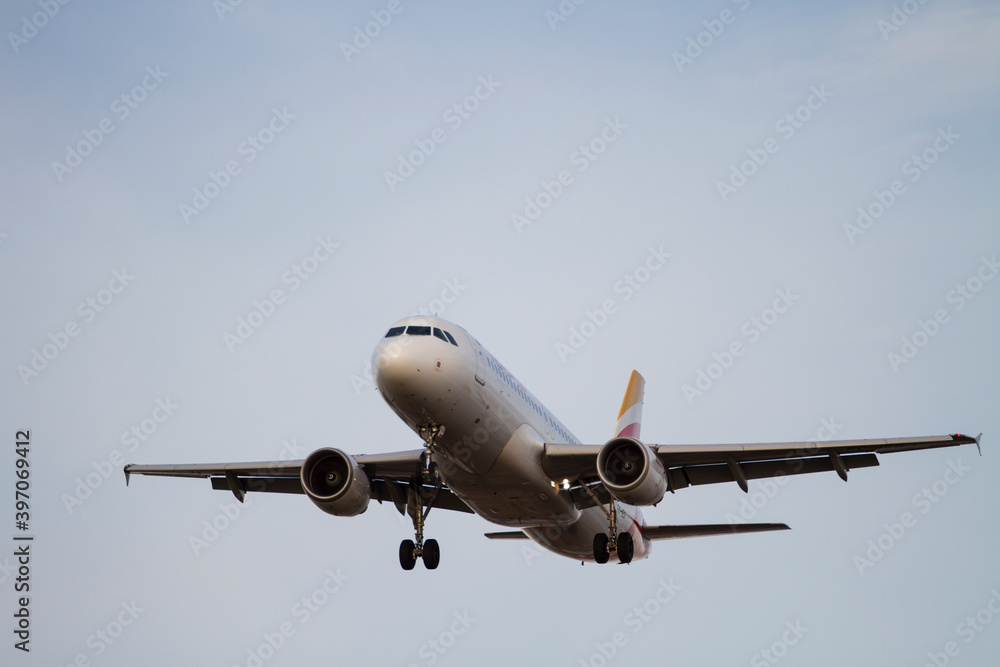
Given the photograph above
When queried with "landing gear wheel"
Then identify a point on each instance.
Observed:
(431, 555)
(626, 548)
(601, 553)
(406, 557)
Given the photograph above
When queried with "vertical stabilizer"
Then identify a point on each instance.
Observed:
(630, 416)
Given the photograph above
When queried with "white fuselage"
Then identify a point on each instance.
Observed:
(489, 454)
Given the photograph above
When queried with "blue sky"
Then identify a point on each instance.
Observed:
(176, 165)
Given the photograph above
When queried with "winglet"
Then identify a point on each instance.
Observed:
(127, 466)
(967, 439)
(630, 416)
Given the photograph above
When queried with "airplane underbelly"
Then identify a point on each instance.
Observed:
(518, 506)
(515, 491)
(576, 540)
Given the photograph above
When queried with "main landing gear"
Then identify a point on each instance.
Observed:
(604, 545)
(418, 507)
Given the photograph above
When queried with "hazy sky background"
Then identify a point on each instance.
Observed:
(200, 82)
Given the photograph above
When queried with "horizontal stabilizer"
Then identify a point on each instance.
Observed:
(701, 530)
(510, 535)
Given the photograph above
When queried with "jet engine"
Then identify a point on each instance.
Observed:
(335, 482)
(631, 472)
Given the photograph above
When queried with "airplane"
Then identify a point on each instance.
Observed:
(491, 448)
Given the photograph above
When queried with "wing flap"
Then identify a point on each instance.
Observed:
(696, 475)
(260, 484)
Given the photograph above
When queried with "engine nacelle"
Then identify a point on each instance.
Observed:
(335, 482)
(631, 472)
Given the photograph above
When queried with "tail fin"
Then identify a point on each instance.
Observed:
(630, 416)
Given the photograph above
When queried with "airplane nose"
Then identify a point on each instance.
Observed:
(395, 372)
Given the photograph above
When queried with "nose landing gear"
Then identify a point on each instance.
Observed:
(411, 550)
(418, 507)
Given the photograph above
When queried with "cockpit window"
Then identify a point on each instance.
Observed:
(415, 330)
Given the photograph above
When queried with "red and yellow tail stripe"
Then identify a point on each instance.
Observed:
(630, 416)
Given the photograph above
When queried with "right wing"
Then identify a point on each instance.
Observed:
(389, 475)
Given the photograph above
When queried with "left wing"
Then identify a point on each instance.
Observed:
(693, 465)
(389, 476)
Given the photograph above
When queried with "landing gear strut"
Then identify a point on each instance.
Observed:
(418, 507)
(604, 543)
